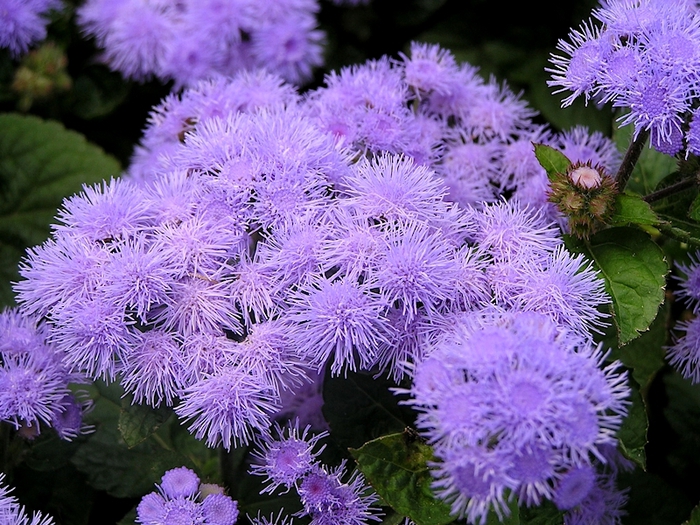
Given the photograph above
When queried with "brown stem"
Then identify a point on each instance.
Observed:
(631, 157)
(672, 189)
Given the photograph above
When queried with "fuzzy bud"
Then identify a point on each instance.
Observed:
(586, 195)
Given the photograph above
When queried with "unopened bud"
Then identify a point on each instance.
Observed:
(585, 177)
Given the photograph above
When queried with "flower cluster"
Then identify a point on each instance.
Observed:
(250, 245)
(182, 498)
(289, 460)
(12, 513)
(34, 382)
(515, 404)
(23, 22)
(643, 57)
(191, 40)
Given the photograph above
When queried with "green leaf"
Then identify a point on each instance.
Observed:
(138, 422)
(123, 472)
(634, 268)
(41, 163)
(632, 435)
(397, 467)
(694, 518)
(545, 514)
(631, 209)
(360, 408)
(645, 356)
(552, 160)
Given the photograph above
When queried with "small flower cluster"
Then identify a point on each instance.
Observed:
(290, 460)
(182, 498)
(644, 57)
(12, 513)
(23, 23)
(514, 404)
(190, 40)
(34, 380)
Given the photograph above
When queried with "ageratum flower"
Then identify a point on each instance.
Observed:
(640, 56)
(23, 22)
(181, 498)
(510, 402)
(286, 455)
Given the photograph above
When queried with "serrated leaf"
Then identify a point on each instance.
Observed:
(634, 268)
(360, 408)
(632, 434)
(552, 160)
(397, 467)
(41, 163)
(138, 422)
(631, 209)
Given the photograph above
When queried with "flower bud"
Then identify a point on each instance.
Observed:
(586, 195)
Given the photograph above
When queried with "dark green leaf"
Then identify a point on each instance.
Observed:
(397, 467)
(631, 209)
(552, 160)
(360, 408)
(633, 432)
(545, 514)
(112, 466)
(645, 356)
(634, 268)
(138, 422)
(694, 517)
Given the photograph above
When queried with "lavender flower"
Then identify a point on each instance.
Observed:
(181, 498)
(286, 456)
(23, 23)
(192, 41)
(639, 56)
(34, 381)
(507, 401)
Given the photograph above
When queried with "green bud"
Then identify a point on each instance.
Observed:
(586, 195)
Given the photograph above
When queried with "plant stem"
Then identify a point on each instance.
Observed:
(672, 189)
(631, 157)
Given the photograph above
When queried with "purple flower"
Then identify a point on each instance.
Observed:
(512, 402)
(337, 320)
(286, 456)
(328, 500)
(391, 187)
(509, 230)
(684, 353)
(226, 407)
(23, 22)
(219, 509)
(181, 498)
(34, 381)
(292, 47)
(689, 281)
(153, 370)
(429, 68)
(135, 35)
